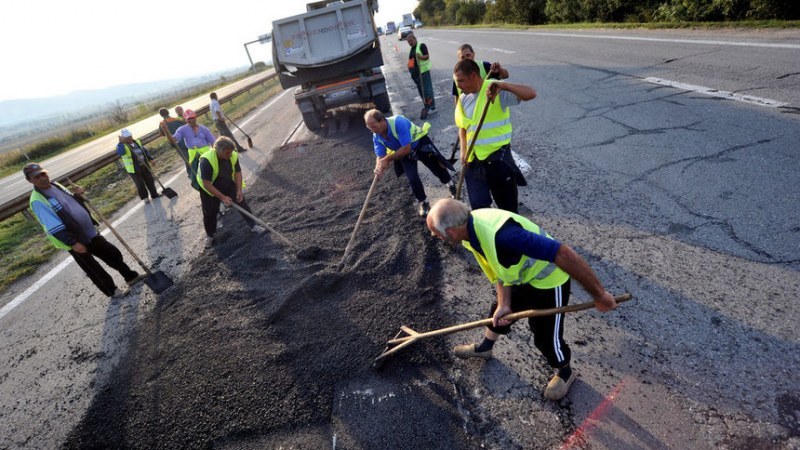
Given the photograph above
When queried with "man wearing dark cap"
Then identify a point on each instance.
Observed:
(69, 226)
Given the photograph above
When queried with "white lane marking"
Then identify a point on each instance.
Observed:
(649, 39)
(523, 165)
(507, 52)
(760, 101)
(68, 260)
(448, 128)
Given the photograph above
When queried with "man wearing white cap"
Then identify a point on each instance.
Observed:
(137, 161)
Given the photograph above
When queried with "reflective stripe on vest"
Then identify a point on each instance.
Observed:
(36, 196)
(424, 64)
(496, 129)
(212, 158)
(539, 274)
(417, 133)
(127, 158)
(484, 74)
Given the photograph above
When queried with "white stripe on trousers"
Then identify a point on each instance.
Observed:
(557, 327)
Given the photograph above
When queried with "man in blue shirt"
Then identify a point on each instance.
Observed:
(69, 226)
(396, 140)
(530, 270)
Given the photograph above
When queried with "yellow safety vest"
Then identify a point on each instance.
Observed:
(484, 74)
(36, 196)
(416, 132)
(424, 64)
(496, 129)
(212, 158)
(195, 152)
(127, 158)
(537, 273)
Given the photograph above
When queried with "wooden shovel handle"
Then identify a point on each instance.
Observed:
(358, 222)
(513, 316)
(263, 224)
(469, 150)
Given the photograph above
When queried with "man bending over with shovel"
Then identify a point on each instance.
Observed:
(396, 140)
(69, 226)
(220, 180)
(530, 270)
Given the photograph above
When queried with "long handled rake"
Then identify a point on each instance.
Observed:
(400, 342)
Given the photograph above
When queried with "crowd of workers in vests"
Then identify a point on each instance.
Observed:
(527, 266)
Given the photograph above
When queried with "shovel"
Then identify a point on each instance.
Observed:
(399, 342)
(249, 141)
(358, 222)
(469, 150)
(168, 192)
(158, 281)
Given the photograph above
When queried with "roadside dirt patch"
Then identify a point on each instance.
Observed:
(254, 342)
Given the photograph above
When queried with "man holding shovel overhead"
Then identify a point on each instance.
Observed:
(490, 170)
(530, 270)
(134, 156)
(397, 140)
(69, 226)
(220, 179)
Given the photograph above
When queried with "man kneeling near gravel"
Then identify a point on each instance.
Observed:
(530, 269)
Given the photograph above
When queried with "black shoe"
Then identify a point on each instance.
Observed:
(137, 278)
(424, 114)
(156, 196)
(242, 150)
(424, 208)
(452, 188)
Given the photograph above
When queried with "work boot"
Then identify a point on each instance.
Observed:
(467, 351)
(557, 388)
(424, 114)
(424, 208)
(209, 242)
(452, 187)
(139, 277)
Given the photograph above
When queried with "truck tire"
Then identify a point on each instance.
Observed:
(312, 121)
(382, 102)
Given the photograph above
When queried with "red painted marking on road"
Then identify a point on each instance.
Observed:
(579, 436)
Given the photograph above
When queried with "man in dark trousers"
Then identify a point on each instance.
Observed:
(396, 140)
(167, 128)
(530, 270)
(70, 227)
(221, 121)
(138, 162)
(220, 178)
(419, 65)
(491, 172)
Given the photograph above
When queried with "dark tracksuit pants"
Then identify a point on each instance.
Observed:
(109, 254)
(210, 206)
(495, 177)
(548, 331)
(144, 182)
(223, 129)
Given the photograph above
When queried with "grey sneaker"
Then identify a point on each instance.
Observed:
(257, 229)
(557, 388)
(467, 351)
(209, 242)
(424, 208)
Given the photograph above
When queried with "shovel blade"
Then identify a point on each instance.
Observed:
(158, 281)
(169, 193)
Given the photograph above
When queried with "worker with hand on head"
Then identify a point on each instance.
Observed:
(69, 226)
(490, 170)
(530, 270)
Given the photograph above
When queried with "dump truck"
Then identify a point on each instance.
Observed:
(332, 55)
(408, 20)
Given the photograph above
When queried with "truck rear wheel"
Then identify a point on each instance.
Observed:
(312, 120)
(382, 102)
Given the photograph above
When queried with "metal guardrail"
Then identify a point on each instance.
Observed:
(20, 203)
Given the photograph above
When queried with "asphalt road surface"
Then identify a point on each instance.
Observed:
(667, 159)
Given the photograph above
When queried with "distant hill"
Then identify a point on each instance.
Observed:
(22, 115)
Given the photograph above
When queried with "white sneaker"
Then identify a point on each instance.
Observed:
(119, 293)
(209, 242)
(257, 229)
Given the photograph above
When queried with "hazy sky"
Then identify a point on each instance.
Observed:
(54, 47)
